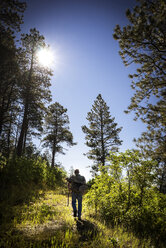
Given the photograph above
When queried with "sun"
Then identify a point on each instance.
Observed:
(45, 57)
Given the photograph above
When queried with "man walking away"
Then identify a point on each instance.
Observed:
(76, 181)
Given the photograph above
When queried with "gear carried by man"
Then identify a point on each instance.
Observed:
(78, 186)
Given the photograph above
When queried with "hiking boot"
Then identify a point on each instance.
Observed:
(79, 218)
(75, 213)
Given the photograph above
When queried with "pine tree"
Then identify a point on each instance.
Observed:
(102, 135)
(11, 14)
(153, 141)
(34, 87)
(57, 130)
(143, 43)
(10, 19)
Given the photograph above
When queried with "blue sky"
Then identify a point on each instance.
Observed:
(87, 63)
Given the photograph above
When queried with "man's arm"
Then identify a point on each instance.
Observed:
(69, 179)
(84, 180)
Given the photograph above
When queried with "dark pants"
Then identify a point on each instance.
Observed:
(78, 197)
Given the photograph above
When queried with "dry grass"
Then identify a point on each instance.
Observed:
(48, 222)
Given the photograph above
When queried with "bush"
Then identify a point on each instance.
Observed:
(110, 198)
(23, 171)
(55, 177)
(21, 175)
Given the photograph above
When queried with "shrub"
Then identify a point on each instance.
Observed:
(21, 176)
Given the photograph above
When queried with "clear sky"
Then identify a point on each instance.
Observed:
(87, 63)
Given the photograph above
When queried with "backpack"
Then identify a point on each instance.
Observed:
(78, 185)
(83, 189)
(75, 187)
(80, 188)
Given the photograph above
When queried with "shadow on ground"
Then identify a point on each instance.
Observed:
(87, 230)
(49, 236)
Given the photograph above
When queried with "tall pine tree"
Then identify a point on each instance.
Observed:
(143, 43)
(34, 92)
(57, 130)
(102, 135)
(11, 16)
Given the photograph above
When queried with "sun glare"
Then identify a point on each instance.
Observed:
(45, 57)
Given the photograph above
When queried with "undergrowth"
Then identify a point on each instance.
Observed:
(47, 221)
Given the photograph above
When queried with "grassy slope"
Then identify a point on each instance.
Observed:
(47, 221)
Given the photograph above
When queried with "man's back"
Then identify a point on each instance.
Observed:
(76, 182)
(79, 179)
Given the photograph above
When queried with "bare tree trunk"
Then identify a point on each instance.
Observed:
(22, 133)
(53, 158)
(9, 139)
(102, 141)
(24, 127)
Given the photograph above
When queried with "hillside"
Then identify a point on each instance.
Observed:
(47, 221)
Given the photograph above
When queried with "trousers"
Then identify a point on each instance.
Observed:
(78, 197)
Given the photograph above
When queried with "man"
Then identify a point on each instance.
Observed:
(75, 182)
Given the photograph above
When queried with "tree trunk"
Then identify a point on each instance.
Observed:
(25, 136)
(53, 159)
(9, 139)
(162, 181)
(24, 127)
(1, 118)
(53, 153)
(54, 145)
(23, 132)
(102, 141)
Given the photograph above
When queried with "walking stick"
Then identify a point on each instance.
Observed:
(68, 199)
(68, 195)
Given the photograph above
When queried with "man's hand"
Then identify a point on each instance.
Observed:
(68, 179)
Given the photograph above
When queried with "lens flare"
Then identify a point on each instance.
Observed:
(45, 57)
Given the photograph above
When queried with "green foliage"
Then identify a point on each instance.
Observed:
(21, 175)
(143, 43)
(41, 222)
(3, 162)
(102, 134)
(11, 17)
(34, 87)
(55, 176)
(21, 171)
(47, 222)
(11, 14)
(132, 201)
(57, 130)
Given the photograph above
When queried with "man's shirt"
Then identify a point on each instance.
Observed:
(76, 182)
